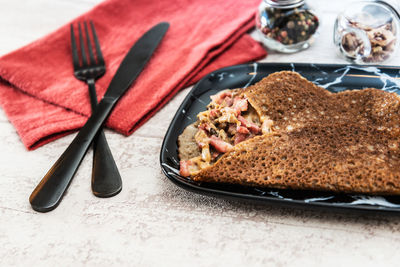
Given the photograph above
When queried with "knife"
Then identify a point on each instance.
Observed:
(49, 192)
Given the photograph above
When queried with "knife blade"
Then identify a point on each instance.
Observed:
(49, 192)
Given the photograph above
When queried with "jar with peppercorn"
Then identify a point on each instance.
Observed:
(286, 25)
(367, 32)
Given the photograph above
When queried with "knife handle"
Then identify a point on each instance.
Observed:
(106, 180)
(49, 192)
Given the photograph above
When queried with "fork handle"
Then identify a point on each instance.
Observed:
(49, 192)
(106, 180)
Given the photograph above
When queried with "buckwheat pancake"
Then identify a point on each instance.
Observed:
(286, 132)
(290, 100)
(342, 158)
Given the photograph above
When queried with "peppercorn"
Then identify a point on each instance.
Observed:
(290, 26)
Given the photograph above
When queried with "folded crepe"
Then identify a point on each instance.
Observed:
(286, 132)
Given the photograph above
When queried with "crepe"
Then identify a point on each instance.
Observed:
(291, 101)
(311, 139)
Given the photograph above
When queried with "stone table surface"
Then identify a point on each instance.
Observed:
(152, 222)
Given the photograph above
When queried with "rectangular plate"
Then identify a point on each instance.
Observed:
(334, 78)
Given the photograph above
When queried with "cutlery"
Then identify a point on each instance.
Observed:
(49, 192)
(106, 180)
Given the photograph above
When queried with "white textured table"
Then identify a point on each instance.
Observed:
(152, 222)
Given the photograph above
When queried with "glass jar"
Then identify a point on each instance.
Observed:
(366, 32)
(286, 25)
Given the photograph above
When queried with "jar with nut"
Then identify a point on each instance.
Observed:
(367, 32)
(286, 25)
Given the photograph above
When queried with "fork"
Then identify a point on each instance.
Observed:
(106, 180)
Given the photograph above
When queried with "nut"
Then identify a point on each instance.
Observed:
(382, 39)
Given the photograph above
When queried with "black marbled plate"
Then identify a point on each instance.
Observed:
(334, 78)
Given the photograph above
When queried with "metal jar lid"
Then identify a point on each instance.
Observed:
(284, 3)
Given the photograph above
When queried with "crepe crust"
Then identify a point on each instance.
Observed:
(344, 142)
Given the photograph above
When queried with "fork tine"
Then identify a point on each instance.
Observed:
(75, 58)
(89, 44)
(84, 58)
(97, 44)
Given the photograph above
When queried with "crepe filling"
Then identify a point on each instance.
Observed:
(228, 120)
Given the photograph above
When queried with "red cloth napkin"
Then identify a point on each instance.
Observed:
(44, 101)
